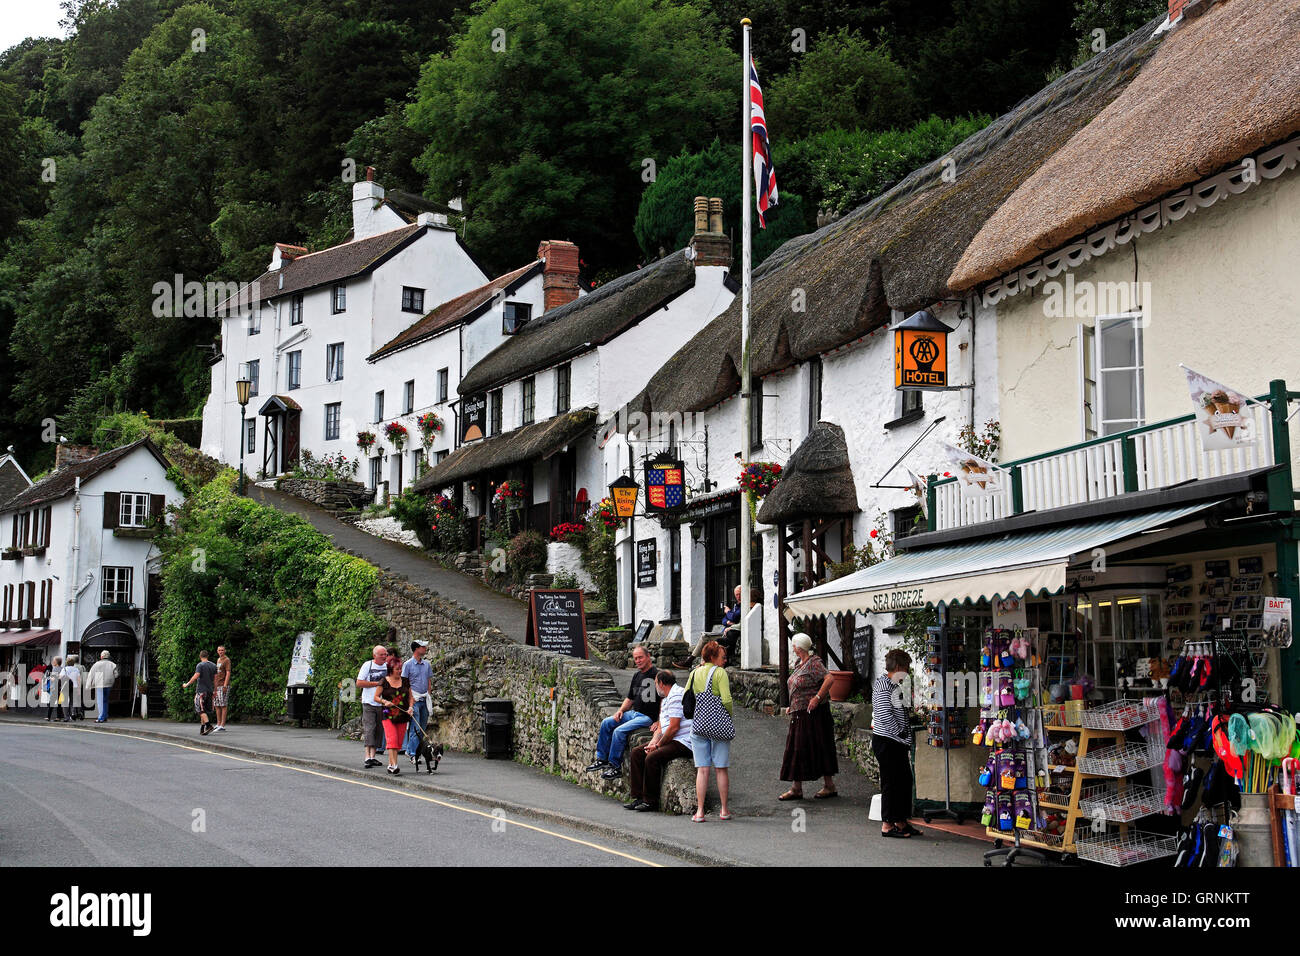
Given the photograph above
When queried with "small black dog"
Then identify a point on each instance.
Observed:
(427, 751)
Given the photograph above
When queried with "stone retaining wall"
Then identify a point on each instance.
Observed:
(473, 660)
(331, 495)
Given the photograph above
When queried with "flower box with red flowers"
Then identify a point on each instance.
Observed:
(760, 477)
(567, 531)
(510, 493)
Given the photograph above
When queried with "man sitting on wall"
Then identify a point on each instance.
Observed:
(672, 739)
(639, 709)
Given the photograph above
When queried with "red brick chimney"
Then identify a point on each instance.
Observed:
(1192, 8)
(559, 273)
(65, 454)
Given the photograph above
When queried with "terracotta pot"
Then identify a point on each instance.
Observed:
(841, 685)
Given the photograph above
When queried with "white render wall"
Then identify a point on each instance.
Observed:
(138, 472)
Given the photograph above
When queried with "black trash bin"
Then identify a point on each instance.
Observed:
(298, 699)
(498, 721)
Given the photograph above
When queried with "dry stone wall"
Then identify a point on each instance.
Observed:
(331, 495)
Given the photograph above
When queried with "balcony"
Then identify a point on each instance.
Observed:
(1152, 457)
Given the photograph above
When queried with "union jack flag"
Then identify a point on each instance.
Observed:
(764, 173)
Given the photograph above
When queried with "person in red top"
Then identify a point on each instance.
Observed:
(394, 695)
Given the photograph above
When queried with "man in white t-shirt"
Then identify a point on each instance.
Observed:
(369, 677)
(672, 738)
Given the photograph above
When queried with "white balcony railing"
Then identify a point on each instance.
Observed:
(1159, 456)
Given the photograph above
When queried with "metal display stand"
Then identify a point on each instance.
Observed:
(930, 815)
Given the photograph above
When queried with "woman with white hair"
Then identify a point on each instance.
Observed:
(810, 742)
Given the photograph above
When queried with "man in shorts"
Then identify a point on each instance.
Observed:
(369, 677)
(221, 695)
(206, 675)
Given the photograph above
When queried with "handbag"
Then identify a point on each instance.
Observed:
(688, 697)
(711, 720)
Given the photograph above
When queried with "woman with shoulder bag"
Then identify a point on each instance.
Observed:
(52, 694)
(712, 729)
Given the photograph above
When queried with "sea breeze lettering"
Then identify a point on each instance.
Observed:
(77, 909)
(895, 600)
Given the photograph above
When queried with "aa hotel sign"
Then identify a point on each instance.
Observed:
(921, 352)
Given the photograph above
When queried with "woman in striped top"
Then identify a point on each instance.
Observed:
(891, 742)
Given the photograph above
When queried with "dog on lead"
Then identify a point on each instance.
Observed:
(427, 751)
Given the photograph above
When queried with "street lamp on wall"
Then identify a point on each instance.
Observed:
(243, 389)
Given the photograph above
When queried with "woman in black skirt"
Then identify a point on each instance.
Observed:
(810, 743)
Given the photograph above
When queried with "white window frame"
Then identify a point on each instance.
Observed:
(133, 510)
(336, 423)
(334, 362)
(113, 588)
(1105, 426)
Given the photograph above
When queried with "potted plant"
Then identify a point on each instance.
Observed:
(365, 441)
(757, 479)
(396, 434)
(510, 493)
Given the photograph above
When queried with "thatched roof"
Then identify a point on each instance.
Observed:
(462, 308)
(532, 442)
(591, 320)
(817, 481)
(1221, 86)
(897, 250)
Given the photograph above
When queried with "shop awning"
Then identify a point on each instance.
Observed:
(108, 632)
(1029, 563)
(47, 638)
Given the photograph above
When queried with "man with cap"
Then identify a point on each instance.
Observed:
(418, 671)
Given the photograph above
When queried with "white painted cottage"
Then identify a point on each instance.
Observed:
(79, 569)
(376, 330)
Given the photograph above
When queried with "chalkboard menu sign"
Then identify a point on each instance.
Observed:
(646, 563)
(863, 640)
(557, 621)
(643, 631)
(473, 417)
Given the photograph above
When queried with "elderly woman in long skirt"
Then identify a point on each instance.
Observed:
(810, 742)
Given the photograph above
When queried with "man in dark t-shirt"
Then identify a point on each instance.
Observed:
(639, 709)
(205, 674)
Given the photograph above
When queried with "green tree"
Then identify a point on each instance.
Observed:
(665, 219)
(1116, 19)
(843, 82)
(545, 112)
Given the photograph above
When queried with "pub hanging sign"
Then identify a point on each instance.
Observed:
(665, 487)
(921, 353)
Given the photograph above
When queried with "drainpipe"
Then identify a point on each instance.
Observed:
(74, 569)
(974, 368)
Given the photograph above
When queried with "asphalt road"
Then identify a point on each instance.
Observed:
(98, 799)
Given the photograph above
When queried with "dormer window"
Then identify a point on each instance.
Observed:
(412, 299)
(516, 316)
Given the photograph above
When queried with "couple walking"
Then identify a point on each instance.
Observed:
(394, 702)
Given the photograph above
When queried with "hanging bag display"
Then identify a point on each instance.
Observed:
(711, 720)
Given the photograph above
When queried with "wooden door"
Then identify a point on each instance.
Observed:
(292, 443)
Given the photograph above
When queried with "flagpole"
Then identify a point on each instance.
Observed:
(746, 201)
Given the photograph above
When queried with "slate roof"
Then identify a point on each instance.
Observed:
(61, 483)
(532, 442)
(462, 308)
(335, 263)
(591, 320)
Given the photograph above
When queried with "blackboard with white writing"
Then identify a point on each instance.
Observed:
(863, 639)
(557, 621)
(646, 563)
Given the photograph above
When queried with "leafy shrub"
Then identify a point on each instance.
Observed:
(566, 581)
(332, 467)
(238, 573)
(598, 559)
(411, 509)
(435, 519)
(525, 555)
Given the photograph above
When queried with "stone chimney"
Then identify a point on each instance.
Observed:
(559, 273)
(710, 245)
(65, 454)
(367, 199)
(282, 253)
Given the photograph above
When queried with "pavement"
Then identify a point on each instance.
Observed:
(762, 833)
(119, 801)
(503, 611)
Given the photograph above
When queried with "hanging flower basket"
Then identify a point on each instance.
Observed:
(606, 514)
(396, 434)
(757, 479)
(365, 441)
(430, 426)
(510, 493)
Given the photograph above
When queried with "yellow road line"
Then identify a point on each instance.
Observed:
(401, 792)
